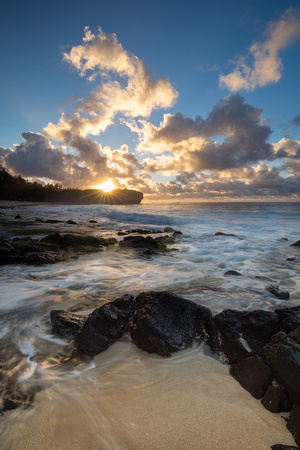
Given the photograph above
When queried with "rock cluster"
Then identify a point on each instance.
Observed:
(262, 347)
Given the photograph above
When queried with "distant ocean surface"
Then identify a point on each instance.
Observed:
(125, 398)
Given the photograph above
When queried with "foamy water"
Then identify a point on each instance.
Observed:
(126, 398)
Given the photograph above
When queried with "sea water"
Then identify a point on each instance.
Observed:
(126, 398)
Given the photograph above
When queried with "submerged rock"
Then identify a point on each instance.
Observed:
(233, 273)
(65, 323)
(165, 323)
(279, 294)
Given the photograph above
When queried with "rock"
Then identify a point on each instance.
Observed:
(232, 273)
(141, 242)
(65, 323)
(21, 252)
(241, 334)
(279, 294)
(276, 400)
(105, 326)
(18, 216)
(291, 259)
(93, 221)
(283, 447)
(296, 244)
(169, 230)
(293, 424)
(219, 233)
(288, 319)
(282, 356)
(253, 375)
(71, 222)
(165, 323)
(53, 221)
(70, 240)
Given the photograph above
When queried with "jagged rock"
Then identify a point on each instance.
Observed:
(276, 400)
(293, 424)
(104, 326)
(282, 356)
(279, 294)
(65, 323)
(232, 273)
(165, 323)
(253, 375)
(241, 334)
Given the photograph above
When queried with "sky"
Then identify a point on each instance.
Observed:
(181, 100)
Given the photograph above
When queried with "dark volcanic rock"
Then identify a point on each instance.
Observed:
(279, 294)
(104, 326)
(241, 334)
(276, 400)
(282, 356)
(253, 375)
(288, 319)
(293, 424)
(165, 323)
(283, 447)
(148, 243)
(71, 240)
(219, 233)
(232, 273)
(65, 323)
(22, 252)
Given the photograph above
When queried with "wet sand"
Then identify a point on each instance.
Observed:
(132, 400)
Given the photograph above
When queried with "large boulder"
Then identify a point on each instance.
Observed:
(241, 334)
(70, 240)
(282, 356)
(165, 323)
(105, 326)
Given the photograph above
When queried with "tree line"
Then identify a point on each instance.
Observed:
(16, 188)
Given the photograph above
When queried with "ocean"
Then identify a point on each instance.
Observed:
(125, 398)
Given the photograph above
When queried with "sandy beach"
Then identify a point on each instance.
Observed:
(132, 400)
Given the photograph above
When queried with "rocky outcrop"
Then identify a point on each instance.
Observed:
(262, 347)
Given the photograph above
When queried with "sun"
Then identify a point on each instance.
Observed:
(107, 186)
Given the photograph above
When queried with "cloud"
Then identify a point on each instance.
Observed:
(296, 120)
(259, 182)
(233, 135)
(267, 66)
